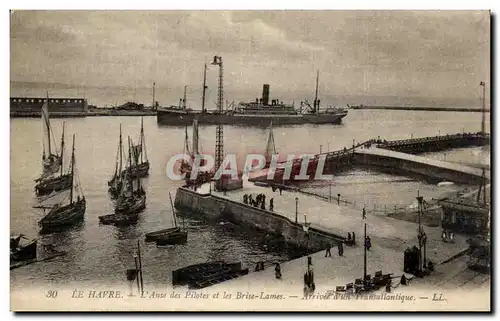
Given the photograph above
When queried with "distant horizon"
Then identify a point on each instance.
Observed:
(144, 95)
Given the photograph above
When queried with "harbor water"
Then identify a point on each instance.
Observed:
(99, 255)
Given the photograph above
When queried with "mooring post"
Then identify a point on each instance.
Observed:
(137, 276)
(296, 210)
(140, 265)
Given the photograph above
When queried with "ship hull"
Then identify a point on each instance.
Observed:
(171, 118)
(64, 217)
(51, 185)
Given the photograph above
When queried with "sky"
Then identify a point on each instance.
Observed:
(442, 54)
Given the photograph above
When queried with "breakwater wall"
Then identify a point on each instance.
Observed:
(452, 109)
(214, 207)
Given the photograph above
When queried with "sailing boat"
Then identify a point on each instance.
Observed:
(270, 147)
(173, 236)
(51, 161)
(165, 233)
(130, 200)
(22, 252)
(67, 215)
(53, 182)
(141, 163)
(186, 167)
(115, 184)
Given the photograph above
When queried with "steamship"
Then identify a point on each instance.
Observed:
(261, 112)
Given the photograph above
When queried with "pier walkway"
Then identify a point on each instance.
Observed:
(388, 232)
(390, 237)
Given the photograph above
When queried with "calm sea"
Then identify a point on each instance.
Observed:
(100, 254)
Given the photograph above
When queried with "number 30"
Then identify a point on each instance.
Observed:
(52, 294)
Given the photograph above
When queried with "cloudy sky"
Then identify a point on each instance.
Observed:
(430, 54)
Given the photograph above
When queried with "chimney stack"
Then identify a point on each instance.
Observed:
(265, 94)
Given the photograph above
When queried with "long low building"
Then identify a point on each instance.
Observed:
(58, 107)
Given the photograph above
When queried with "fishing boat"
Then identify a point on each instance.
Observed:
(20, 251)
(140, 166)
(132, 198)
(51, 160)
(119, 219)
(62, 216)
(51, 181)
(115, 184)
(169, 236)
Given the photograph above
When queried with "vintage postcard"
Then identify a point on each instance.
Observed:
(250, 160)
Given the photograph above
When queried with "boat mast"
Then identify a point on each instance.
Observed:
(120, 148)
(204, 88)
(47, 123)
(173, 210)
(142, 135)
(154, 95)
(137, 171)
(186, 142)
(130, 169)
(364, 263)
(72, 171)
(482, 84)
(184, 100)
(62, 149)
(316, 102)
(195, 138)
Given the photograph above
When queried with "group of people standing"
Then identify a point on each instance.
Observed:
(340, 247)
(259, 201)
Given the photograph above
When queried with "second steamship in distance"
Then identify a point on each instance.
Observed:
(257, 113)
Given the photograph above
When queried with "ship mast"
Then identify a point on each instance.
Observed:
(483, 107)
(204, 88)
(316, 102)
(62, 149)
(154, 95)
(184, 100)
(72, 171)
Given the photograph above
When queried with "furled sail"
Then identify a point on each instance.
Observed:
(270, 147)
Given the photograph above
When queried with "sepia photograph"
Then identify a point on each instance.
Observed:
(250, 160)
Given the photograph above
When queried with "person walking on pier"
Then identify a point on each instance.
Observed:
(349, 238)
(341, 249)
(263, 199)
(364, 213)
(277, 271)
(271, 204)
(328, 253)
(250, 199)
(353, 238)
(368, 243)
(245, 199)
(262, 205)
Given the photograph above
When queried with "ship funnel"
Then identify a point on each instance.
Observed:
(265, 94)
